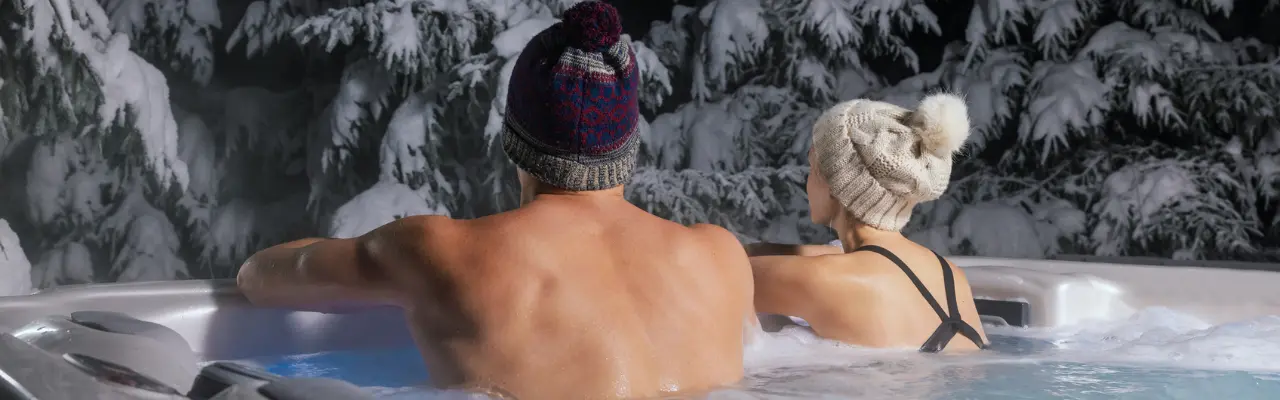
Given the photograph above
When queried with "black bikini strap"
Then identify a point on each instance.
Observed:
(949, 286)
(915, 280)
(953, 308)
(951, 321)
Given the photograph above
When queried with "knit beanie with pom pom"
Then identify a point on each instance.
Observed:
(572, 105)
(881, 160)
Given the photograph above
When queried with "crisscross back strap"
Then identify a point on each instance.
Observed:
(951, 321)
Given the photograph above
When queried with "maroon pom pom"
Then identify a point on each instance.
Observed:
(592, 26)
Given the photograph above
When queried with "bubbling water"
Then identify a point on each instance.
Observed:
(1157, 354)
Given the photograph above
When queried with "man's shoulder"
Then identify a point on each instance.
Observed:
(716, 236)
(424, 225)
(722, 248)
(426, 234)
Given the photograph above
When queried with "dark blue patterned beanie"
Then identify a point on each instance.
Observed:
(572, 107)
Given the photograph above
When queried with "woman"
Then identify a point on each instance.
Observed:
(870, 164)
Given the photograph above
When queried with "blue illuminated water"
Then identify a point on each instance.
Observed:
(370, 368)
(1155, 354)
(1005, 373)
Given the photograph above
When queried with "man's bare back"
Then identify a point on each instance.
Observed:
(616, 303)
(567, 297)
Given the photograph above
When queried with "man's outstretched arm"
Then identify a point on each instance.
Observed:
(332, 274)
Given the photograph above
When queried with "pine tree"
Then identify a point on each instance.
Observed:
(1123, 98)
(760, 72)
(413, 128)
(14, 266)
(178, 33)
(90, 140)
(1128, 127)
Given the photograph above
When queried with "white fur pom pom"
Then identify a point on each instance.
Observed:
(943, 123)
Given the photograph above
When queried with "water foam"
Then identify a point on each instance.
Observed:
(1155, 336)
(1166, 338)
(1157, 353)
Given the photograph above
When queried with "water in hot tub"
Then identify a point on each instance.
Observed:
(1156, 354)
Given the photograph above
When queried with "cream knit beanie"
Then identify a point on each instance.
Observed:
(881, 159)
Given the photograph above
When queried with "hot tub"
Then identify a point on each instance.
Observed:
(1060, 329)
(169, 334)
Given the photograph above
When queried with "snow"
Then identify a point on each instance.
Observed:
(232, 232)
(14, 266)
(1014, 235)
(498, 108)
(1059, 21)
(655, 78)
(265, 23)
(382, 203)
(178, 31)
(64, 183)
(361, 97)
(197, 148)
(736, 30)
(1169, 201)
(148, 242)
(131, 86)
(511, 42)
(137, 87)
(1065, 98)
(401, 36)
(66, 264)
(404, 147)
(833, 20)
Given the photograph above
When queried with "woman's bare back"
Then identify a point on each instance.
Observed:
(904, 318)
(863, 297)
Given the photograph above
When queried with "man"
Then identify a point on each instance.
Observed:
(576, 294)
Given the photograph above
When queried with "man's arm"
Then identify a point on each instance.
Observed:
(330, 274)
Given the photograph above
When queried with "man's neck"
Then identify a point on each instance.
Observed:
(616, 191)
(544, 192)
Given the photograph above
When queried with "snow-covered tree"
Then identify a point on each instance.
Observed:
(15, 269)
(415, 119)
(1117, 95)
(1144, 111)
(1126, 127)
(90, 146)
(756, 74)
(176, 32)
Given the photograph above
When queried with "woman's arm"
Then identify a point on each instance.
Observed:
(805, 250)
(788, 285)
